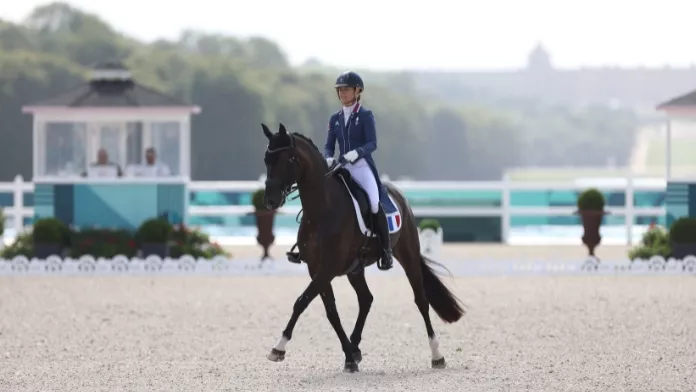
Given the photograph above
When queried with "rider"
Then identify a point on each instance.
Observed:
(354, 128)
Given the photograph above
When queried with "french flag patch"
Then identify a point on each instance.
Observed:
(394, 222)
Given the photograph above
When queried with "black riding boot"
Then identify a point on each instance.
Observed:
(294, 257)
(380, 221)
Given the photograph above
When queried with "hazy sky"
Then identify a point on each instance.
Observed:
(436, 34)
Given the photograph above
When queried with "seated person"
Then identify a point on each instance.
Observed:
(103, 168)
(151, 168)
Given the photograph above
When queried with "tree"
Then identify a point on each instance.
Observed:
(425, 130)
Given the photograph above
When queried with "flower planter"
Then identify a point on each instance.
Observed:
(591, 222)
(160, 249)
(44, 250)
(264, 224)
(680, 251)
(430, 241)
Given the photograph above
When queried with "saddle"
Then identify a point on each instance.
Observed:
(359, 194)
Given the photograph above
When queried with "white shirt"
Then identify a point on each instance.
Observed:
(155, 170)
(347, 111)
(103, 171)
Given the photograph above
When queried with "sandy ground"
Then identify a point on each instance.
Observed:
(490, 252)
(212, 334)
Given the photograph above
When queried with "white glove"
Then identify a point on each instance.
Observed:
(329, 161)
(351, 156)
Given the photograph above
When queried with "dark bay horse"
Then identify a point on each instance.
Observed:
(330, 242)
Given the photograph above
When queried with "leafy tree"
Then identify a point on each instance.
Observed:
(437, 130)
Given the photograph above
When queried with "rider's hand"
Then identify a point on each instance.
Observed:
(329, 161)
(351, 156)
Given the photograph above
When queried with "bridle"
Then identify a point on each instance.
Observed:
(290, 186)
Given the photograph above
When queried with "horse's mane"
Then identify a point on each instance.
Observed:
(311, 143)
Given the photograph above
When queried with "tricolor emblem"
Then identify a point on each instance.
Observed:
(394, 222)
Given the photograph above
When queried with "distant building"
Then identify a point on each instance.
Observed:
(639, 87)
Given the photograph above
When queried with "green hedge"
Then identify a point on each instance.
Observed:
(111, 242)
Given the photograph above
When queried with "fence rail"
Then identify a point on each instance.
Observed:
(628, 185)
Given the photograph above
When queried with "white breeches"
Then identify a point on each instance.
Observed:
(362, 174)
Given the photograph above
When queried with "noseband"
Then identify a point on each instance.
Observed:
(287, 187)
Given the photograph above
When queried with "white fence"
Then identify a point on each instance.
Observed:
(505, 211)
(187, 265)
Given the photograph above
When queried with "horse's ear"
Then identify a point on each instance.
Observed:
(267, 131)
(282, 129)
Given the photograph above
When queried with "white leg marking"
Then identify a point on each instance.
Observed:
(435, 349)
(280, 346)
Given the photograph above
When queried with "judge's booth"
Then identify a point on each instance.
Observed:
(96, 173)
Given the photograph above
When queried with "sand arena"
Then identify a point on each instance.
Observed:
(197, 333)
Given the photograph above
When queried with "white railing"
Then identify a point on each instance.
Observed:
(505, 211)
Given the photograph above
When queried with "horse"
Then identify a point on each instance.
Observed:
(334, 240)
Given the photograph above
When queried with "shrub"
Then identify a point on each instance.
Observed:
(257, 200)
(108, 243)
(103, 243)
(591, 200)
(683, 231)
(49, 231)
(195, 243)
(155, 230)
(655, 242)
(433, 224)
(22, 246)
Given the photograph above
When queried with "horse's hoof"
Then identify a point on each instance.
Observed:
(276, 355)
(357, 356)
(438, 363)
(351, 367)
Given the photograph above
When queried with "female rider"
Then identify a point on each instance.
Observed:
(353, 127)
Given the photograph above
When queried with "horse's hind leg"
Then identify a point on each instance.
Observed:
(364, 303)
(327, 296)
(409, 257)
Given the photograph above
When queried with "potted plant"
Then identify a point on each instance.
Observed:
(682, 235)
(655, 242)
(153, 236)
(430, 235)
(264, 222)
(591, 210)
(48, 235)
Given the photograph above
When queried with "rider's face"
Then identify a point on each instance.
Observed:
(347, 95)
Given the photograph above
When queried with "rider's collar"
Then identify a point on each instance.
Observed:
(348, 110)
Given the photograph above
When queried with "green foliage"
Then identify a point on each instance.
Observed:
(683, 231)
(155, 230)
(193, 242)
(49, 231)
(257, 200)
(103, 242)
(432, 224)
(109, 243)
(242, 82)
(591, 200)
(22, 246)
(655, 242)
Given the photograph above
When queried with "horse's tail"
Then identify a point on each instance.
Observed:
(443, 301)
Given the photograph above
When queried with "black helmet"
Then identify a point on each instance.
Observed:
(349, 79)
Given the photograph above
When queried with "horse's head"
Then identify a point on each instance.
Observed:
(282, 168)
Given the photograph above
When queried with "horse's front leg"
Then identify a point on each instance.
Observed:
(364, 303)
(277, 354)
(327, 296)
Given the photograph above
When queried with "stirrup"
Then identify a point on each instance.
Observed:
(386, 255)
(294, 257)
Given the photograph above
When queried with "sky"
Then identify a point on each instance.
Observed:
(433, 34)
